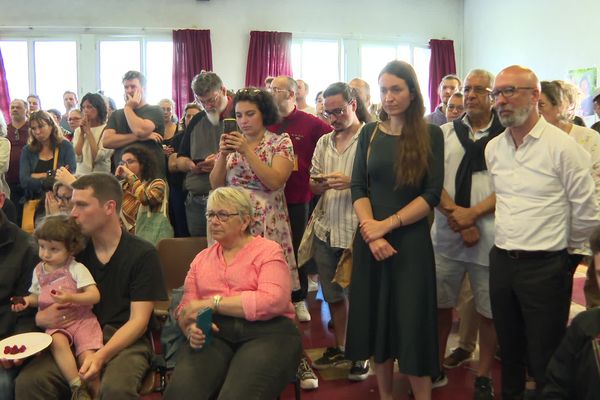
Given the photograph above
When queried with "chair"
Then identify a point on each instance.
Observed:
(176, 255)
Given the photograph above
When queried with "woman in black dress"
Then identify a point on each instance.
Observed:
(397, 179)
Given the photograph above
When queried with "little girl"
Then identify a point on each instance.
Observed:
(58, 278)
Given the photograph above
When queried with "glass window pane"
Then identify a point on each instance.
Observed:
(55, 71)
(320, 66)
(296, 59)
(404, 53)
(16, 65)
(159, 71)
(421, 65)
(372, 60)
(116, 58)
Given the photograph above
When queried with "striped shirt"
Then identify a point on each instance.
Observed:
(147, 193)
(337, 219)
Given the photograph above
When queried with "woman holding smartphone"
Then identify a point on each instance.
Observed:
(259, 162)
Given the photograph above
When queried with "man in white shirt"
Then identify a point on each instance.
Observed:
(463, 228)
(301, 98)
(544, 205)
(334, 219)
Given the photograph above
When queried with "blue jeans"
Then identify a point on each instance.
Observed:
(195, 212)
(7, 383)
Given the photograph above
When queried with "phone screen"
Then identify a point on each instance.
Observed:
(204, 322)
(229, 125)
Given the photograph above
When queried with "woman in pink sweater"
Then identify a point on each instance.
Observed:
(255, 347)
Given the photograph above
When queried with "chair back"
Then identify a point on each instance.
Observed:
(176, 255)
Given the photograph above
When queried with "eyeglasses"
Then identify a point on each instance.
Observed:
(128, 162)
(222, 216)
(508, 91)
(210, 101)
(338, 112)
(278, 90)
(476, 89)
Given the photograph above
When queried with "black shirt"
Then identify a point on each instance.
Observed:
(133, 273)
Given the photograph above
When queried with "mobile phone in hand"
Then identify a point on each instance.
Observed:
(204, 322)
(318, 178)
(198, 160)
(229, 125)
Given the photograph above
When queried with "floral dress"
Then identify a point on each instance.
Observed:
(271, 219)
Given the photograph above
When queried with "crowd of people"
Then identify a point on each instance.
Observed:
(485, 206)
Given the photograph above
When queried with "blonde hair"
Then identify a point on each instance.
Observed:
(230, 196)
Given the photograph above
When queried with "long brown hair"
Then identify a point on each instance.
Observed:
(42, 117)
(413, 149)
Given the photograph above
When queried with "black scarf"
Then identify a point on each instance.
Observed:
(474, 158)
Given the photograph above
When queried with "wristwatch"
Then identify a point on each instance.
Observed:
(216, 301)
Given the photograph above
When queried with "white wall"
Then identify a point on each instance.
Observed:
(230, 21)
(549, 36)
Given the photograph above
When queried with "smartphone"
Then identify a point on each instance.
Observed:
(318, 178)
(199, 160)
(229, 125)
(204, 322)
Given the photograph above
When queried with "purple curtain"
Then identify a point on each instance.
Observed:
(4, 96)
(269, 54)
(442, 63)
(192, 53)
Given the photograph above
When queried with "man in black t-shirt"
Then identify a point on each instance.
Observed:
(128, 274)
(137, 122)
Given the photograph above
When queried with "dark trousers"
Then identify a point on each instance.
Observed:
(530, 301)
(251, 360)
(298, 219)
(16, 195)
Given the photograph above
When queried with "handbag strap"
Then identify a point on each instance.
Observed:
(55, 163)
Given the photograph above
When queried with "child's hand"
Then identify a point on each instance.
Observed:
(60, 297)
(19, 303)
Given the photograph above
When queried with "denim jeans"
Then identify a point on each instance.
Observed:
(7, 383)
(195, 212)
(246, 360)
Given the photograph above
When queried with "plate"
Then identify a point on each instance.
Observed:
(34, 341)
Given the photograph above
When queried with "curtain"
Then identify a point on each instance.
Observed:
(442, 63)
(192, 53)
(269, 54)
(4, 96)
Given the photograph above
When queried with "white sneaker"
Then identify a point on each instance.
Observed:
(313, 286)
(301, 311)
(308, 378)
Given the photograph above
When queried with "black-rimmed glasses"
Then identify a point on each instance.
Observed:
(222, 216)
(508, 91)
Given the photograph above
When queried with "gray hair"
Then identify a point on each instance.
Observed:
(234, 197)
(206, 82)
(130, 75)
(171, 102)
(490, 78)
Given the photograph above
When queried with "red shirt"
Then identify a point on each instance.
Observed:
(304, 130)
(258, 273)
(18, 139)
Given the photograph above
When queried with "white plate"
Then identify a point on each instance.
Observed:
(34, 341)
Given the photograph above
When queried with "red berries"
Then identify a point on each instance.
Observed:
(17, 300)
(53, 291)
(14, 349)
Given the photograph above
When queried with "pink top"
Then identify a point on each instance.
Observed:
(258, 272)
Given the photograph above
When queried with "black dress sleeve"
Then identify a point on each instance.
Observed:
(359, 183)
(434, 179)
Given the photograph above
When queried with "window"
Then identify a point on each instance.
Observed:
(159, 71)
(116, 58)
(16, 65)
(317, 63)
(421, 56)
(55, 71)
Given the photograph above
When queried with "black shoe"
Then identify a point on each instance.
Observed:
(332, 357)
(484, 390)
(456, 358)
(359, 370)
(439, 381)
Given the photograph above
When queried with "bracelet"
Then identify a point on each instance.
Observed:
(216, 302)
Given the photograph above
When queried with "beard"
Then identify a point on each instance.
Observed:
(517, 118)
(214, 117)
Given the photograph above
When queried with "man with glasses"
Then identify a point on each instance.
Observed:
(305, 130)
(17, 134)
(70, 101)
(334, 227)
(449, 85)
(545, 206)
(200, 145)
(137, 122)
(463, 228)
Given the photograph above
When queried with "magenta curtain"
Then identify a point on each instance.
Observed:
(269, 54)
(192, 53)
(4, 96)
(442, 63)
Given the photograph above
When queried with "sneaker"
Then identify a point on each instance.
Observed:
(359, 371)
(439, 381)
(80, 392)
(307, 377)
(313, 286)
(456, 358)
(332, 357)
(483, 389)
(301, 311)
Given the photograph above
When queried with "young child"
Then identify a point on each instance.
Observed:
(58, 278)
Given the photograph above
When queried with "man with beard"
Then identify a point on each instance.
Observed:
(544, 206)
(200, 145)
(17, 134)
(449, 85)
